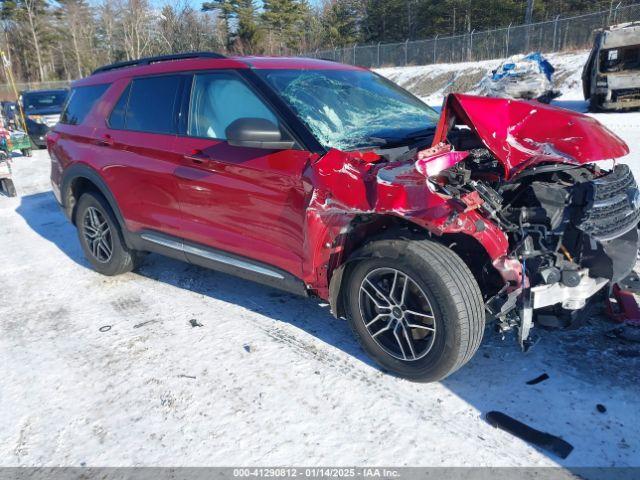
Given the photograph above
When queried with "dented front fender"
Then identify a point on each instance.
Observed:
(347, 185)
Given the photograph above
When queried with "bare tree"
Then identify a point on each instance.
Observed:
(137, 26)
(31, 10)
(76, 21)
(109, 27)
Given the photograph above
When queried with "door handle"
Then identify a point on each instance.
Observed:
(106, 141)
(197, 158)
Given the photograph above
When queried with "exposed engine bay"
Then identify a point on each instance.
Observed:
(572, 228)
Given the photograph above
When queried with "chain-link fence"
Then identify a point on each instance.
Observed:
(560, 34)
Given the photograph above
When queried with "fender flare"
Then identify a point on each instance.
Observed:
(361, 253)
(78, 171)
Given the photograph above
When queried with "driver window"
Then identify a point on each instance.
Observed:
(217, 100)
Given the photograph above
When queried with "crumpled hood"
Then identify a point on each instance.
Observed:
(521, 133)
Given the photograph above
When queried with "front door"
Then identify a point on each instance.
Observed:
(247, 201)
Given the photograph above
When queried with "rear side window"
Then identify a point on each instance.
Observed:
(148, 105)
(80, 102)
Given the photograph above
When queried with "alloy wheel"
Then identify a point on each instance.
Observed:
(97, 233)
(397, 314)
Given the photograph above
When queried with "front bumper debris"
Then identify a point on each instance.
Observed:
(571, 298)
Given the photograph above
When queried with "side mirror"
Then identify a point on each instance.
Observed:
(256, 133)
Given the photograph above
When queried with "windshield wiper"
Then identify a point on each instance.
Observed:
(369, 142)
(412, 138)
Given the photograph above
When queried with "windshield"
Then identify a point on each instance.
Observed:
(348, 109)
(41, 100)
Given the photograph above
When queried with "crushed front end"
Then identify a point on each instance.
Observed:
(571, 225)
(514, 188)
(572, 231)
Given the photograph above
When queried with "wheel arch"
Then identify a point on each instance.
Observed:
(79, 179)
(363, 231)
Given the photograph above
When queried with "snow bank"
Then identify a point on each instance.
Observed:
(433, 82)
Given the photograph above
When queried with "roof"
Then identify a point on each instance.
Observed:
(622, 35)
(621, 26)
(183, 62)
(301, 63)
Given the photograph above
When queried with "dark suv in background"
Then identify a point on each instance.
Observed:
(42, 109)
(327, 180)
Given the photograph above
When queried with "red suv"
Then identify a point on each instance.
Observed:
(327, 180)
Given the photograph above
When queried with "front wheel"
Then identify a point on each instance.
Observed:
(415, 307)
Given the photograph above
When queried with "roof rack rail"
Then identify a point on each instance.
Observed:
(160, 58)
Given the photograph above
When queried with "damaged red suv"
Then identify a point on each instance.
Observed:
(327, 180)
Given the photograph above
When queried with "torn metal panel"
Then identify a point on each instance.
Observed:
(354, 183)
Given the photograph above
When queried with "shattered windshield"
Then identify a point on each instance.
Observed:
(348, 109)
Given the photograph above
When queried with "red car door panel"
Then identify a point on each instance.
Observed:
(139, 170)
(247, 201)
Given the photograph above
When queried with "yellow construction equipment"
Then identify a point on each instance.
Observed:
(6, 66)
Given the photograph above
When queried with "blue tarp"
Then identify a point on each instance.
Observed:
(521, 76)
(509, 68)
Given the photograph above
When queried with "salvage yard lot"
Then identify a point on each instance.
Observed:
(176, 365)
(264, 377)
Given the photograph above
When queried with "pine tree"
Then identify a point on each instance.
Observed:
(226, 10)
(283, 20)
(248, 33)
(340, 22)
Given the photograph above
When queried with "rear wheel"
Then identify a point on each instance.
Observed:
(415, 307)
(101, 238)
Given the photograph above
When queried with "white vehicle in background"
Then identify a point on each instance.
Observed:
(611, 76)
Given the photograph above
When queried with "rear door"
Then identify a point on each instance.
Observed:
(135, 152)
(247, 201)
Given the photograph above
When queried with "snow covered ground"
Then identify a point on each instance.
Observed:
(111, 372)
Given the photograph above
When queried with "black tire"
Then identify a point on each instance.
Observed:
(121, 258)
(595, 103)
(8, 187)
(454, 299)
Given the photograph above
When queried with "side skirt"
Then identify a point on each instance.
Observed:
(215, 259)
